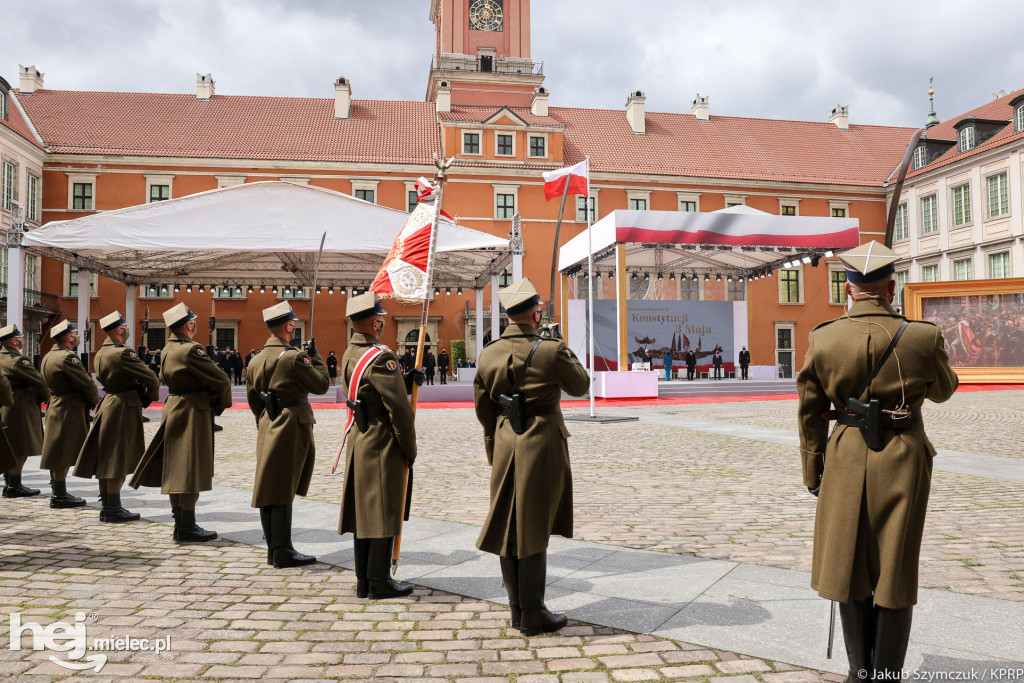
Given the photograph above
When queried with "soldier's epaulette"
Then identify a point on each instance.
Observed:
(827, 322)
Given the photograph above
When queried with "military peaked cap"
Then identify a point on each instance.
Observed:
(9, 332)
(278, 313)
(112, 321)
(178, 315)
(519, 297)
(62, 328)
(363, 306)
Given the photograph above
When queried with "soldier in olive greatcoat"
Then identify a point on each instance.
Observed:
(376, 457)
(872, 477)
(285, 452)
(116, 441)
(73, 395)
(24, 422)
(531, 480)
(179, 459)
(8, 461)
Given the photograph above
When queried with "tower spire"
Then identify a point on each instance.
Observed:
(932, 118)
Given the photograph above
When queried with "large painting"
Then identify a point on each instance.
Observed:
(982, 322)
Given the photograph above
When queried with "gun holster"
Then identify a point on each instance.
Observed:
(143, 393)
(358, 409)
(514, 408)
(869, 421)
(270, 405)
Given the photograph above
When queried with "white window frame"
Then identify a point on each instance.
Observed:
(832, 269)
(4, 105)
(799, 286)
(81, 178)
(693, 197)
(933, 199)
(157, 293)
(33, 196)
(792, 202)
(9, 189)
(644, 195)
(927, 268)
(965, 217)
(480, 139)
(968, 268)
(1019, 118)
(1002, 194)
(593, 208)
(68, 281)
(293, 294)
(1008, 268)
(509, 133)
(231, 296)
(500, 189)
(965, 139)
(792, 351)
(901, 229)
(366, 186)
(229, 181)
(159, 179)
(529, 147)
(735, 200)
(919, 157)
(902, 278)
(841, 206)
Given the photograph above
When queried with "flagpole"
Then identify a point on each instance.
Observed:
(442, 165)
(590, 291)
(554, 249)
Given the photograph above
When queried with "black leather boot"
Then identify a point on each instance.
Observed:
(14, 489)
(60, 498)
(536, 618)
(103, 506)
(281, 537)
(858, 618)
(176, 514)
(510, 577)
(265, 522)
(892, 634)
(113, 512)
(187, 531)
(380, 585)
(361, 548)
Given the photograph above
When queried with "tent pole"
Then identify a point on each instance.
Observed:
(621, 301)
(83, 312)
(590, 297)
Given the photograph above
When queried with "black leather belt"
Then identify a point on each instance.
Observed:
(536, 411)
(293, 403)
(887, 420)
(186, 392)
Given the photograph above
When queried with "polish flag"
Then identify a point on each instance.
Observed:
(424, 190)
(578, 178)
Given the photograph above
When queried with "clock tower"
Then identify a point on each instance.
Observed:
(482, 52)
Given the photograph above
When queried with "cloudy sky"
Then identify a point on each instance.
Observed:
(790, 59)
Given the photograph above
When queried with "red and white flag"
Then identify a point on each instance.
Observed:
(424, 190)
(578, 178)
(404, 273)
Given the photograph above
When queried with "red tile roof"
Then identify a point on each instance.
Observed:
(997, 110)
(16, 122)
(233, 127)
(734, 148)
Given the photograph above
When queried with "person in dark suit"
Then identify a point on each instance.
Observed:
(691, 364)
(716, 360)
(332, 367)
(237, 365)
(430, 364)
(444, 364)
(744, 362)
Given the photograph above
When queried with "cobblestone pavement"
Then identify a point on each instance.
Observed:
(230, 616)
(687, 492)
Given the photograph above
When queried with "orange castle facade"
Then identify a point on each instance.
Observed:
(487, 106)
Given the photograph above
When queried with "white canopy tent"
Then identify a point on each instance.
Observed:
(738, 242)
(265, 233)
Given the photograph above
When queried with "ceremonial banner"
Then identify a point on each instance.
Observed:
(577, 176)
(403, 276)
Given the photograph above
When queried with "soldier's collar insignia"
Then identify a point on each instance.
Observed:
(391, 365)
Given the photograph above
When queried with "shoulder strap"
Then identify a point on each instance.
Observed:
(522, 371)
(274, 369)
(881, 361)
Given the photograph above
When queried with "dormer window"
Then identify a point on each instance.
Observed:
(1018, 118)
(3, 105)
(919, 157)
(965, 138)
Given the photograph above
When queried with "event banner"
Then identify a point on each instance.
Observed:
(655, 328)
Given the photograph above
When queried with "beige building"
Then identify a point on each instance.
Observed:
(21, 192)
(961, 212)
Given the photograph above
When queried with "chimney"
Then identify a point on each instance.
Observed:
(342, 98)
(31, 79)
(841, 117)
(635, 112)
(443, 101)
(539, 103)
(204, 87)
(701, 107)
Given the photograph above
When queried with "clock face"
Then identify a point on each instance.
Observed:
(485, 15)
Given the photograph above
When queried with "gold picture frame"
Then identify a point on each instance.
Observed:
(976, 317)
